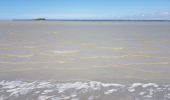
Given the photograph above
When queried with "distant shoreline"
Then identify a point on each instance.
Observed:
(89, 20)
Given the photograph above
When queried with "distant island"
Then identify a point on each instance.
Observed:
(40, 19)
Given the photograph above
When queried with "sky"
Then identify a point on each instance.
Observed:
(85, 9)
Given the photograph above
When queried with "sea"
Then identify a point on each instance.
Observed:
(84, 60)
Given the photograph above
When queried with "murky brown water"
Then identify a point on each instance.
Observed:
(121, 52)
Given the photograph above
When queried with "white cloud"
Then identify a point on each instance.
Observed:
(164, 15)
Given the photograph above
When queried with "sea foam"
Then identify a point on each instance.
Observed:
(78, 90)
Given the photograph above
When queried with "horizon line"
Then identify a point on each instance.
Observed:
(48, 19)
(44, 19)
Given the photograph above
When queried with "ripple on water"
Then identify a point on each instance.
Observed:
(89, 90)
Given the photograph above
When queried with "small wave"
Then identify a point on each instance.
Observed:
(82, 90)
(57, 53)
(114, 48)
(32, 62)
(62, 52)
(18, 56)
(126, 57)
(48, 53)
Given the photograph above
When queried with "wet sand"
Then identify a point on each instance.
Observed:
(106, 52)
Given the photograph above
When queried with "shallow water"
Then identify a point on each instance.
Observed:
(89, 90)
(116, 52)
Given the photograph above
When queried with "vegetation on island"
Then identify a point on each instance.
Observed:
(40, 19)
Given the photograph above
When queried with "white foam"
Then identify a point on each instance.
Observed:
(115, 85)
(47, 91)
(131, 89)
(56, 98)
(53, 90)
(44, 97)
(133, 86)
(110, 91)
(150, 84)
(142, 93)
(137, 84)
(44, 85)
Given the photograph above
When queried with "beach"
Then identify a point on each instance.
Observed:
(84, 60)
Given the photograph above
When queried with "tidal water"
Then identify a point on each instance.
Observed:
(60, 60)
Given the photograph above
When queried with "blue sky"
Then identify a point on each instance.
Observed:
(85, 9)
